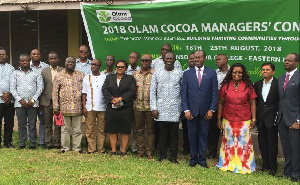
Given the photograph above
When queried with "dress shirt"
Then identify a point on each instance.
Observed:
(265, 89)
(6, 71)
(66, 95)
(53, 72)
(158, 63)
(201, 72)
(40, 68)
(130, 71)
(83, 67)
(95, 102)
(26, 86)
(221, 75)
(291, 73)
(165, 94)
(107, 73)
(142, 98)
(236, 102)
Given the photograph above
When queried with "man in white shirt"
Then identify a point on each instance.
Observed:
(94, 108)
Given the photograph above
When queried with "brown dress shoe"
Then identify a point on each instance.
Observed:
(139, 155)
(149, 156)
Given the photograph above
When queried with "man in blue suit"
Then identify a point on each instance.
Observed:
(199, 97)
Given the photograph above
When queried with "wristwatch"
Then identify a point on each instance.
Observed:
(253, 119)
(298, 121)
(32, 100)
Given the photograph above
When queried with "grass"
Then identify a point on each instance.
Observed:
(48, 167)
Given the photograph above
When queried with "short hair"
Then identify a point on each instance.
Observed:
(191, 54)
(111, 56)
(70, 57)
(2, 48)
(53, 52)
(97, 60)
(270, 64)
(24, 55)
(202, 52)
(138, 55)
(123, 61)
(296, 56)
(223, 54)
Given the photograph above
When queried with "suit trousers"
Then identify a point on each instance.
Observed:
(168, 129)
(24, 114)
(72, 125)
(291, 149)
(186, 144)
(95, 124)
(144, 121)
(7, 111)
(49, 124)
(41, 117)
(213, 136)
(198, 132)
(268, 146)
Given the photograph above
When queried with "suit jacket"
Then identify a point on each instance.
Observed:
(126, 89)
(289, 99)
(266, 112)
(48, 86)
(199, 99)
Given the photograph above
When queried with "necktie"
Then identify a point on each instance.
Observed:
(199, 76)
(286, 81)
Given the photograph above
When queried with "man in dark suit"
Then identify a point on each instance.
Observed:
(46, 101)
(199, 97)
(266, 111)
(288, 116)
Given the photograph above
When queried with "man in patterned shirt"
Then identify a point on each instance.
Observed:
(37, 65)
(83, 64)
(66, 95)
(6, 103)
(165, 104)
(141, 107)
(26, 85)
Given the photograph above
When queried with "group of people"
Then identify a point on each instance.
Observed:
(151, 101)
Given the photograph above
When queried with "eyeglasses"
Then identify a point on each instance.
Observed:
(237, 72)
(146, 60)
(85, 52)
(120, 67)
(93, 64)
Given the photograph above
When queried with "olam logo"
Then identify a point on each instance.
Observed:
(106, 16)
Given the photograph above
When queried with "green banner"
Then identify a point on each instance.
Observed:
(248, 31)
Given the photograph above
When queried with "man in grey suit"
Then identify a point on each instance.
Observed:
(46, 101)
(288, 116)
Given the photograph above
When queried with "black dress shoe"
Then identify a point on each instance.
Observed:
(293, 179)
(62, 152)
(161, 159)
(49, 147)
(174, 161)
(21, 147)
(192, 164)
(32, 147)
(272, 172)
(9, 145)
(264, 169)
(204, 165)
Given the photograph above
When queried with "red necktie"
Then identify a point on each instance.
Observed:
(286, 81)
(199, 76)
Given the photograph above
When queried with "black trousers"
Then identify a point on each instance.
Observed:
(186, 145)
(8, 112)
(213, 136)
(291, 149)
(268, 146)
(168, 129)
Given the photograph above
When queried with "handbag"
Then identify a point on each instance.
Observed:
(59, 121)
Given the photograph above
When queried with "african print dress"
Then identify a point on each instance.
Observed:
(236, 152)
